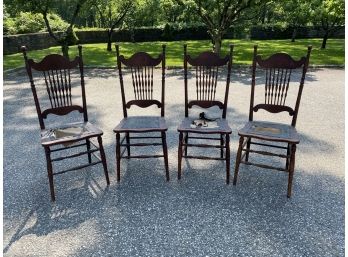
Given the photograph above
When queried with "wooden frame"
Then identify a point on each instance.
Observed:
(206, 65)
(278, 68)
(56, 71)
(141, 65)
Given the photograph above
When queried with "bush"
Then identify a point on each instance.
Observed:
(56, 23)
(168, 32)
(271, 31)
(27, 22)
(10, 26)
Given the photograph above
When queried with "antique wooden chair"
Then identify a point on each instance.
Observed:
(278, 70)
(57, 76)
(141, 66)
(206, 69)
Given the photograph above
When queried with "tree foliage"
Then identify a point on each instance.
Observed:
(220, 15)
(22, 16)
(111, 14)
(294, 13)
(328, 14)
(28, 22)
(45, 7)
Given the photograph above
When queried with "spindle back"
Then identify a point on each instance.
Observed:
(207, 65)
(141, 66)
(57, 75)
(278, 70)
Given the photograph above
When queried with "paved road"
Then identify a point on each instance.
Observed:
(144, 215)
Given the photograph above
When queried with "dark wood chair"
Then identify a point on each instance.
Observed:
(56, 73)
(278, 70)
(141, 66)
(206, 69)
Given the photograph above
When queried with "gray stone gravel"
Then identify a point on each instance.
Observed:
(200, 215)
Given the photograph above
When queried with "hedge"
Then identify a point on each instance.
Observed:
(281, 32)
(36, 41)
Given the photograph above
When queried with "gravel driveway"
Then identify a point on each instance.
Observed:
(200, 215)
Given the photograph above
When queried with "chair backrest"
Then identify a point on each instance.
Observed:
(56, 73)
(278, 70)
(207, 65)
(141, 65)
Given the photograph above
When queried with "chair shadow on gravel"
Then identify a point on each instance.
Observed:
(201, 205)
(74, 205)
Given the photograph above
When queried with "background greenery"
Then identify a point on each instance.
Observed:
(95, 54)
(27, 22)
(219, 20)
(144, 13)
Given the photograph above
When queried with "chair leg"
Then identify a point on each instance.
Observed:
(128, 142)
(227, 158)
(102, 155)
(88, 144)
(186, 142)
(287, 159)
(180, 155)
(222, 143)
(165, 153)
(238, 159)
(248, 148)
(118, 157)
(50, 172)
(291, 168)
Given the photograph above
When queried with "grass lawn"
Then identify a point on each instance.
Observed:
(96, 54)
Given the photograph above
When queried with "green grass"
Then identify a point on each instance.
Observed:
(96, 54)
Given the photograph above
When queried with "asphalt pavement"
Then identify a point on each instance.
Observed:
(199, 215)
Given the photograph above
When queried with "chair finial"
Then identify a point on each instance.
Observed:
(23, 48)
(24, 51)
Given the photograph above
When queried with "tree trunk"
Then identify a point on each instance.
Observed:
(65, 50)
(323, 44)
(216, 40)
(294, 32)
(109, 40)
(132, 35)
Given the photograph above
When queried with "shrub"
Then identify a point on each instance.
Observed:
(10, 26)
(56, 23)
(168, 32)
(27, 22)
